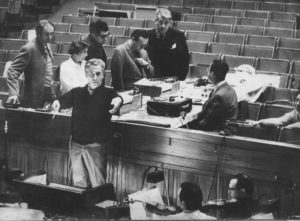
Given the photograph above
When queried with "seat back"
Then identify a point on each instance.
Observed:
(203, 58)
(274, 110)
(287, 53)
(248, 30)
(270, 6)
(197, 46)
(224, 48)
(196, 18)
(74, 19)
(244, 5)
(289, 43)
(138, 23)
(194, 3)
(11, 44)
(200, 36)
(218, 28)
(289, 136)
(219, 19)
(61, 27)
(258, 51)
(279, 32)
(272, 65)
(261, 40)
(59, 58)
(230, 38)
(79, 28)
(65, 37)
(235, 61)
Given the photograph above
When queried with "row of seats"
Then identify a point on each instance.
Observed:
(234, 4)
(240, 11)
(247, 28)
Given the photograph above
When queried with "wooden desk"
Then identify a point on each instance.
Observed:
(36, 141)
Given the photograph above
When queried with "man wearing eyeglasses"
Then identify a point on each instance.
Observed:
(96, 39)
(130, 62)
(167, 47)
(93, 106)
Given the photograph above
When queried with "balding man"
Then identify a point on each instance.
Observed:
(167, 47)
(35, 61)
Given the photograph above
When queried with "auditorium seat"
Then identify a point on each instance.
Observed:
(261, 40)
(289, 43)
(109, 20)
(11, 54)
(198, 58)
(127, 7)
(194, 3)
(181, 10)
(117, 40)
(11, 44)
(251, 21)
(287, 53)
(278, 32)
(289, 136)
(54, 47)
(66, 37)
(249, 111)
(200, 36)
(59, 58)
(256, 14)
(145, 2)
(3, 84)
(120, 1)
(230, 38)
(2, 67)
(280, 24)
(230, 12)
(224, 48)
(244, 5)
(74, 19)
(283, 16)
(79, 28)
(219, 19)
(196, 18)
(274, 110)
(290, 7)
(218, 28)
(258, 51)
(2, 55)
(169, 2)
(61, 27)
(218, 4)
(131, 29)
(270, 6)
(109, 49)
(235, 61)
(138, 23)
(197, 46)
(105, 5)
(272, 65)
(82, 12)
(117, 30)
(185, 25)
(295, 67)
(248, 30)
(205, 11)
(284, 96)
(64, 48)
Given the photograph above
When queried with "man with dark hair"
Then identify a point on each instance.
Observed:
(167, 47)
(96, 39)
(189, 200)
(130, 62)
(240, 196)
(93, 106)
(35, 61)
(222, 103)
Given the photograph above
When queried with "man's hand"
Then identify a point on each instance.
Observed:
(256, 123)
(142, 62)
(13, 100)
(294, 126)
(55, 106)
(116, 102)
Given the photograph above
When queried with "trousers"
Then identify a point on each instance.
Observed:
(88, 164)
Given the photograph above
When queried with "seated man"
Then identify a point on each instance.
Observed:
(189, 200)
(289, 120)
(91, 125)
(222, 103)
(130, 62)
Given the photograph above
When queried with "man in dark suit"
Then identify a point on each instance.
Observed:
(167, 48)
(35, 61)
(96, 39)
(222, 103)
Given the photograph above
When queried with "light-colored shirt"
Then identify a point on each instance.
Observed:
(49, 73)
(289, 118)
(72, 75)
(195, 215)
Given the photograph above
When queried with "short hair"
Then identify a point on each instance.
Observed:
(93, 63)
(164, 13)
(220, 69)
(244, 182)
(137, 33)
(42, 23)
(97, 26)
(191, 194)
(77, 47)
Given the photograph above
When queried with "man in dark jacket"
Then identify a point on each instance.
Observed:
(222, 103)
(167, 48)
(96, 39)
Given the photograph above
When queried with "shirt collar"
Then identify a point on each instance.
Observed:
(219, 85)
